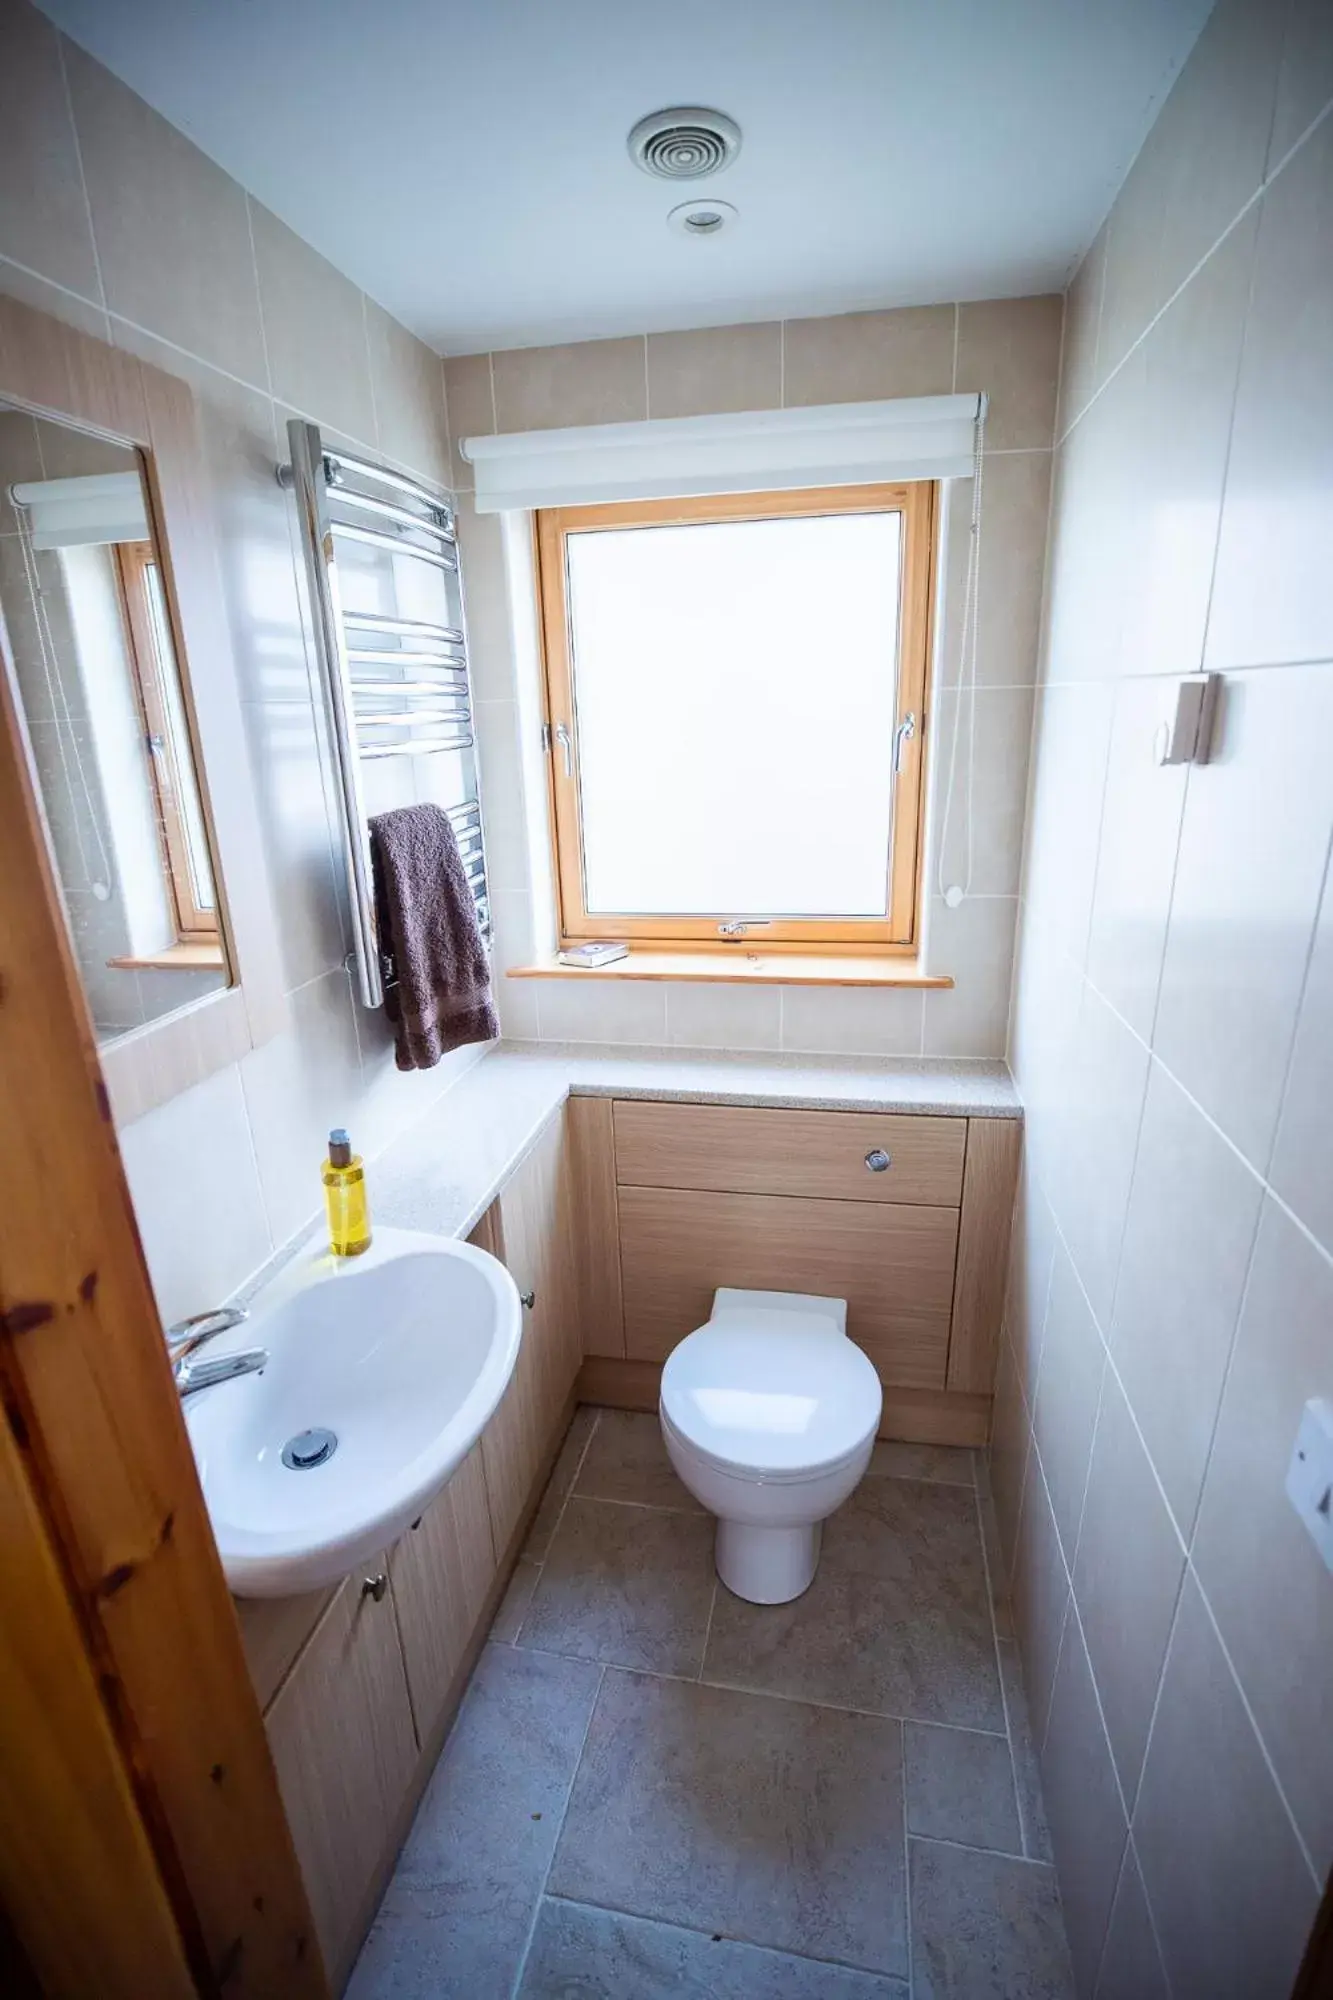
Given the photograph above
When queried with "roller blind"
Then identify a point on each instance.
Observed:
(74, 513)
(753, 451)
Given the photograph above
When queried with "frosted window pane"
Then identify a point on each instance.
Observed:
(735, 700)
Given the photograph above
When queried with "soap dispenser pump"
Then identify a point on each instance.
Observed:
(344, 1176)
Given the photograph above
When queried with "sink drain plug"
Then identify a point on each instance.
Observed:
(308, 1449)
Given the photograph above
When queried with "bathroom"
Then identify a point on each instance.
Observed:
(817, 1485)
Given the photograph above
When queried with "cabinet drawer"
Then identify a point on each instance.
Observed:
(894, 1266)
(737, 1149)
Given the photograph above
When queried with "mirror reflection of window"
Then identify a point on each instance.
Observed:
(88, 645)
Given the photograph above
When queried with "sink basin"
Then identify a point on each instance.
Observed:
(382, 1371)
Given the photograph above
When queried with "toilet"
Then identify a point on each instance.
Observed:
(769, 1413)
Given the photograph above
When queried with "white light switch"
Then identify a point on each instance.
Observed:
(1310, 1475)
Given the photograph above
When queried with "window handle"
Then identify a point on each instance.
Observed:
(566, 742)
(904, 733)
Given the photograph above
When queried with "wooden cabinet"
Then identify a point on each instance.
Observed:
(442, 1570)
(535, 1226)
(345, 1750)
(915, 1238)
(893, 1265)
(737, 1149)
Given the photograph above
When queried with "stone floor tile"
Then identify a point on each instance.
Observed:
(767, 1821)
(562, 1478)
(584, 1954)
(960, 1786)
(985, 1927)
(628, 1585)
(514, 1604)
(950, 1464)
(627, 1460)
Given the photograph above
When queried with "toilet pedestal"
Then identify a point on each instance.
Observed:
(767, 1565)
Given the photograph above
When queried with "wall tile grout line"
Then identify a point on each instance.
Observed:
(991, 1582)
(63, 61)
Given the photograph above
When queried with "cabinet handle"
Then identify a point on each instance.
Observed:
(375, 1586)
(879, 1161)
(528, 1299)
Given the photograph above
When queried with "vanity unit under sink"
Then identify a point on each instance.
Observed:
(618, 1225)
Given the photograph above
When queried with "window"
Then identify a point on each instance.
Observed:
(180, 819)
(736, 701)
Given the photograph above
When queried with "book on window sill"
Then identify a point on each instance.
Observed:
(590, 955)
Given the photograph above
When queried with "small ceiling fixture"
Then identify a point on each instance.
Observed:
(702, 217)
(684, 144)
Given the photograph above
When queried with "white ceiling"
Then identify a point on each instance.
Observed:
(464, 160)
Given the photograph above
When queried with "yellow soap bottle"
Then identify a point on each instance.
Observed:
(344, 1177)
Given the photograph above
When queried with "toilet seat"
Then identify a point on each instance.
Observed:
(771, 1396)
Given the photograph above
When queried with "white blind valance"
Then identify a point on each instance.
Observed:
(75, 513)
(753, 451)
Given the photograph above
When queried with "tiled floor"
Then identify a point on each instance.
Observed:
(654, 1791)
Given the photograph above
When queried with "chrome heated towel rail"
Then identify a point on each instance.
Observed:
(394, 686)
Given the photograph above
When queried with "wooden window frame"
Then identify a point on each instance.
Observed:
(194, 924)
(895, 935)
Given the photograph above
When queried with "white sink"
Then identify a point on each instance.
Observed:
(400, 1355)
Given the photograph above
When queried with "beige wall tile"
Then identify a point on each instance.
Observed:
(1015, 501)
(1262, 1573)
(1104, 1091)
(192, 1176)
(470, 406)
(1083, 1805)
(1031, 1261)
(1041, 1595)
(297, 1086)
(1079, 374)
(1071, 752)
(1132, 1964)
(975, 943)
(507, 865)
(863, 357)
(1277, 518)
(715, 368)
(490, 638)
(1048, 992)
(1193, 1210)
(1068, 1389)
(702, 1016)
(1136, 855)
(1010, 348)
(408, 380)
(1126, 1607)
(1200, 164)
(1229, 1888)
(592, 382)
(1305, 80)
(43, 210)
(1302, 1169)
(304, 861)
(1176, 458)
(65, 306)
(516, 999)
(603, 1010)
(999, 725)
(173, 234)
(1092, 529)
(315, 330)
(844, 1020)
(1010, 1439)
(1252, 849)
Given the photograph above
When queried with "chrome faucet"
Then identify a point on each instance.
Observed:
(188, 1335)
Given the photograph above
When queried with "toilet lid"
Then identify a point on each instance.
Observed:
(771, 1393)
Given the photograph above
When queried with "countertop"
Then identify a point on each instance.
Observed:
(443, 1172)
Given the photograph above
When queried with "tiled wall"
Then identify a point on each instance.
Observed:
(112, 220)
(1008, 348)
(1171, 1302)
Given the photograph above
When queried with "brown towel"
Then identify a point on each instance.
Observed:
(437, 987)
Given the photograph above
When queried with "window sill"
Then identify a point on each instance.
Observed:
(175, 958)
(756, 968)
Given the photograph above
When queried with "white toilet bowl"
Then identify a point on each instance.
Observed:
(769, 1413)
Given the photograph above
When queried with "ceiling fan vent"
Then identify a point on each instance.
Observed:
(684, 144)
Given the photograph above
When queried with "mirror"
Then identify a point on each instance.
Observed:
(88, 644)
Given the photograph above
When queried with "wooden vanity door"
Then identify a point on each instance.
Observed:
(536, 1225)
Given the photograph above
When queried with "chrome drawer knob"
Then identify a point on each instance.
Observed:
(527, 1299)
(879, 1161)
(375, 1586)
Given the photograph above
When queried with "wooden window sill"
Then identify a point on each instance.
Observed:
(762, 968)
(175, 958)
